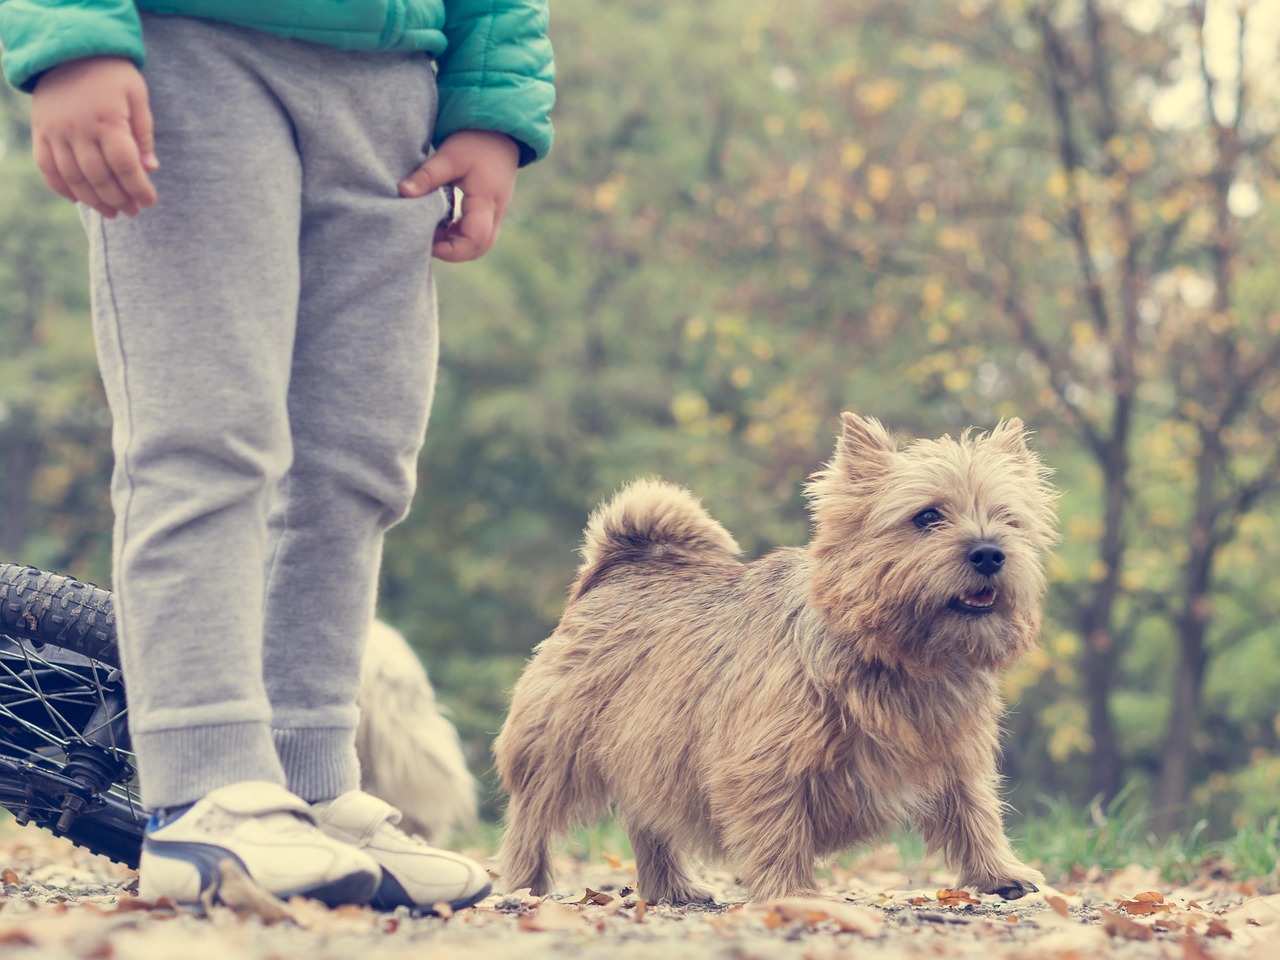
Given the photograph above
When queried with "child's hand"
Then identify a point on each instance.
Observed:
(481, 164)
(91, 130)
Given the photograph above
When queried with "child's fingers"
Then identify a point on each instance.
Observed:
(436, 172)
(101, 178)
(48, 168)
(127, 166)
(142, 127)
(76, 180)
(472, 236)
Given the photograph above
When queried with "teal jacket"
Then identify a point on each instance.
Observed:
(493, 56)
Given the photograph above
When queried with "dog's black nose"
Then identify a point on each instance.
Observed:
(986, 558)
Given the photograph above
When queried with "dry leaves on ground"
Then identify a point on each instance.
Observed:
(60, 903)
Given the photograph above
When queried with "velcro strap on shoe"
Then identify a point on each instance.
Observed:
(257, 798)
(358, 815)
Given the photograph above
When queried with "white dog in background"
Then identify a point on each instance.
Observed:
(410, 754)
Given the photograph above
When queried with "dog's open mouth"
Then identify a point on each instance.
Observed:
(982, 600)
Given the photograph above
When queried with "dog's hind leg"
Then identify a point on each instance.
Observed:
(662, 873)
(525, 856)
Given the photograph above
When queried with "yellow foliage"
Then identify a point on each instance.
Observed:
(1015, 114)
(879, 95)
(927, 212)
(759, 433)
(606, 194)
(730, 326)
(1083, 334)
(797, 178)
(688, 407)
(957, 380)
(852, 154)
(1057, 184)
(1036, 228)
(762, 349)
(879, 182)
(946, 98)
(844, 72)
(814, 121)
(1067, 740)
(955, 238)
(740, 376)
(695, 329)
(939, 333)
(775, 126)
(933, 293)
(863, 210)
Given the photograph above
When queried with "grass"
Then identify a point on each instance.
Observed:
(1066, 836)
(1058, 838)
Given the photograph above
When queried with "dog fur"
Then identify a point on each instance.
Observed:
(773, 712)
(409, 751)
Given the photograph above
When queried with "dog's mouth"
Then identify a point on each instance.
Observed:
(982, 600)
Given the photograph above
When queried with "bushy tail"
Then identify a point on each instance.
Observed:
(650, 520)
(410, 754)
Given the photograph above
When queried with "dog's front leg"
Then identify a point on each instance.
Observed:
(963, 821)
(765, 828)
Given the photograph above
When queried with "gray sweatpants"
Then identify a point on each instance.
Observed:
(267, 337)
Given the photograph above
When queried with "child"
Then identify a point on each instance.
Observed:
(265, 323)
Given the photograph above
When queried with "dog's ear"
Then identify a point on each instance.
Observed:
(865, 448)
(1011, 437)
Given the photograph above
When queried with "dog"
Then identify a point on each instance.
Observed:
(410, 754)
(773, 712)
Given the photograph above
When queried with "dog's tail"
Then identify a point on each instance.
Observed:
(410, 754)
(650, 520)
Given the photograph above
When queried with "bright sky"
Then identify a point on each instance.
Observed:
(1183, 103)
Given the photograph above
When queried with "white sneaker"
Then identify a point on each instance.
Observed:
(268, 832)
(414, 874)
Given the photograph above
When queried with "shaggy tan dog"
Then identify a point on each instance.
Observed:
(769, 713)
(409, 752)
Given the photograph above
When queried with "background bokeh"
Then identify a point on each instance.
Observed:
(759, 214)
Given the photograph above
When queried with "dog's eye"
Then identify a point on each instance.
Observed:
(928, 518)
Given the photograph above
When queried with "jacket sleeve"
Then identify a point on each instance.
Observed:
(37, 35)
(498, 72)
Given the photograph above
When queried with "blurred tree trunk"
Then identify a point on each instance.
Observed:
(22, 453)
(1081, 92)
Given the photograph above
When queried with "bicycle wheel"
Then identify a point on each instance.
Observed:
(65, 758)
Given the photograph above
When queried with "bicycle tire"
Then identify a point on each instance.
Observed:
(63, 729)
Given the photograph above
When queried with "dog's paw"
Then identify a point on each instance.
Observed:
(689, 896)
(1015, 889)
(1012, 883)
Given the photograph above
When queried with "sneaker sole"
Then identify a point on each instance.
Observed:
(356, 888)
(390, 895)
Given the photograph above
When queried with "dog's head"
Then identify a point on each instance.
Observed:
(934, 552)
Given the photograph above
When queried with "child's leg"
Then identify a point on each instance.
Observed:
(195, 304)
(363, 372)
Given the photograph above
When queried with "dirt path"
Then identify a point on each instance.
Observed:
(59, 902)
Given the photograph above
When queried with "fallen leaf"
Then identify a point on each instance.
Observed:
(596, 897)
(237, 892)
(1217, 928)
(848, 917)
(956, 898)
(1059, 906)
(8, 876)
(1193, 949)
(642, 907)
(551, 916)
(1117, 925)
(613, 860)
